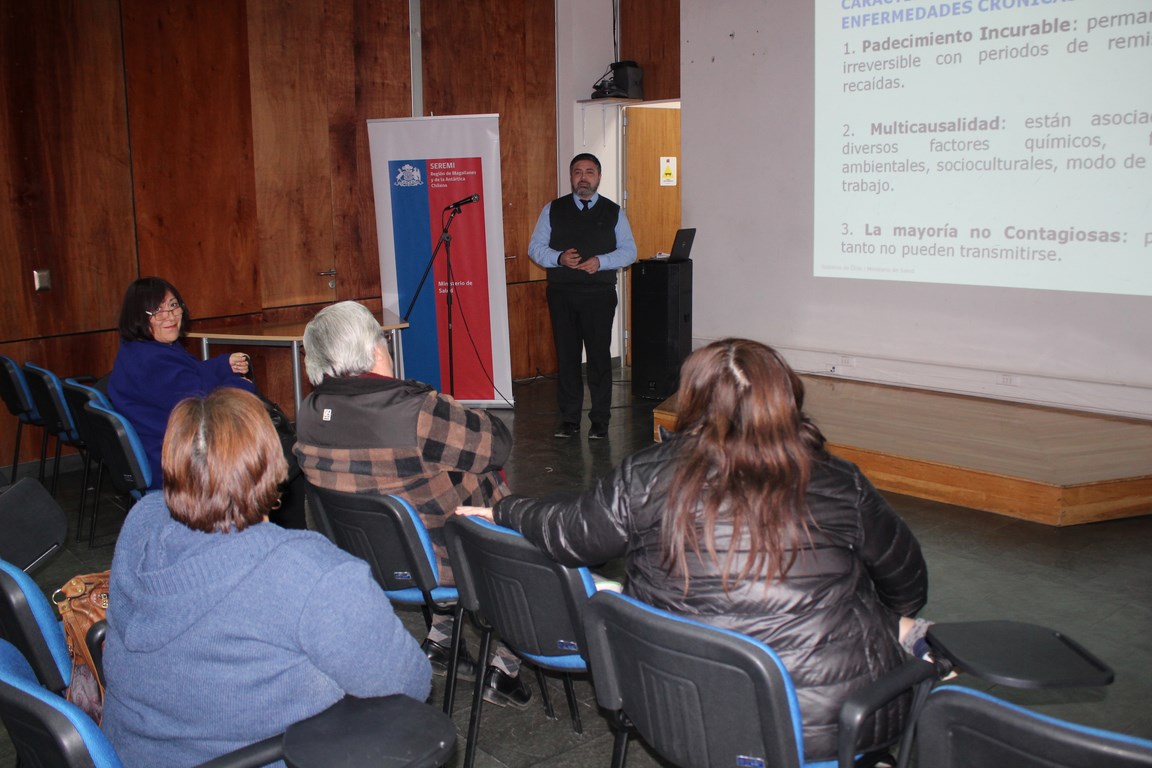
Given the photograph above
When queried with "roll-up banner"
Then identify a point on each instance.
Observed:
(438, 216)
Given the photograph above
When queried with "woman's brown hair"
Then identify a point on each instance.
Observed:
(222, 461)
(746, 457)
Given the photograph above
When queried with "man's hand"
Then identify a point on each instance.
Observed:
(571, 258)
(484, 512)
(591, 266)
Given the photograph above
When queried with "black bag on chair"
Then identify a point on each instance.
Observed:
(290, 513)
(286, 431)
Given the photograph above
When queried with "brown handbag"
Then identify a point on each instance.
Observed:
(82, 602)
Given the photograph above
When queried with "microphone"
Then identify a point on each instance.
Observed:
(465, 201)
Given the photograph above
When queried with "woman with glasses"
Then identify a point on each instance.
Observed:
(153, 371)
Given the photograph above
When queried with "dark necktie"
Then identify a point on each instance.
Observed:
(585, 204)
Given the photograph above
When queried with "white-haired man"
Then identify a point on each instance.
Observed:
(362, 430)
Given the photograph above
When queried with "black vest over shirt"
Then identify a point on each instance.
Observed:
(592, 232)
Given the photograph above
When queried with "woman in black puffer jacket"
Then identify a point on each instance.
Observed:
(742, 520)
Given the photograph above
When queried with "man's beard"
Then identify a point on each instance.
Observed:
(585, 192)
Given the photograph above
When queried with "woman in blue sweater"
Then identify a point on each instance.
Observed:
(224, 629)
(153, 372)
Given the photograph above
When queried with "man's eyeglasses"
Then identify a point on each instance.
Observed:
(171, 308)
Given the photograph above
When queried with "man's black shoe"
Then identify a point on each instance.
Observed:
(440, 656)
(567, 429)
(598, 432)
(504, 690)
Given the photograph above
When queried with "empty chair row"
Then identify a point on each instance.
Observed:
(76, 413)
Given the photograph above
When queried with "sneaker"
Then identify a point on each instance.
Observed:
(440, 656)
(503, 690)
(567, 429)
(598, 432)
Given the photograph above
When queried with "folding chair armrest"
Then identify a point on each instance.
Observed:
(907, 677)
(255, 755)
(95, 642)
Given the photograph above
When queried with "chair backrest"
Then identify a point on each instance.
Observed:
(29, 622)
(45, 728)
(962, 728)
(389, 535)
(121, 450)
(48, 394)
(34, 525)
(698, 695)
(14, 390)
(534, 604)
(78, 394)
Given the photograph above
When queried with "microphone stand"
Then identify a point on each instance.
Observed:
(446, 241)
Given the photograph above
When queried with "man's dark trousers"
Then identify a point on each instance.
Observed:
(582, 321)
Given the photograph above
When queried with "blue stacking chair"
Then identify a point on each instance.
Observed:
(702, 696)
(17, 398)
(121, 453)
(78, 394)
(386, 532)
(48, 394)
(394, 731)
(48, 730)
(964, 728)
(535, 605)
(30, 622)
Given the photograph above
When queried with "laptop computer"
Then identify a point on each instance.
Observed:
(682, 246)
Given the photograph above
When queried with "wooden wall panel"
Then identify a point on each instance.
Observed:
(650, 36)
(369, 76)
(319, 72)
(294, 223)
(510, 71)
(186, 65)
(495, 56)
(530, 329)
(67, 193)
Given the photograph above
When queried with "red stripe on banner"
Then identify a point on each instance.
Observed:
(453, 181)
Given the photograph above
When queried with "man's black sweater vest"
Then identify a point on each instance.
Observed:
(591, 232)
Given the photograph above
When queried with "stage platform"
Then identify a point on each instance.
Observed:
(1053, 466)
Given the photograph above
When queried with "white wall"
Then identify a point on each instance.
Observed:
(747, 127)
(584, 49)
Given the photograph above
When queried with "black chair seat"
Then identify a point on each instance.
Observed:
(34, 526)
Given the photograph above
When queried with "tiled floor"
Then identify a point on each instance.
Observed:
(1092, 582)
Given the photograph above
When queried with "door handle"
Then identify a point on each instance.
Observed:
(327, 273)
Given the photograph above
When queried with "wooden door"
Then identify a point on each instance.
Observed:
(650, 133)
